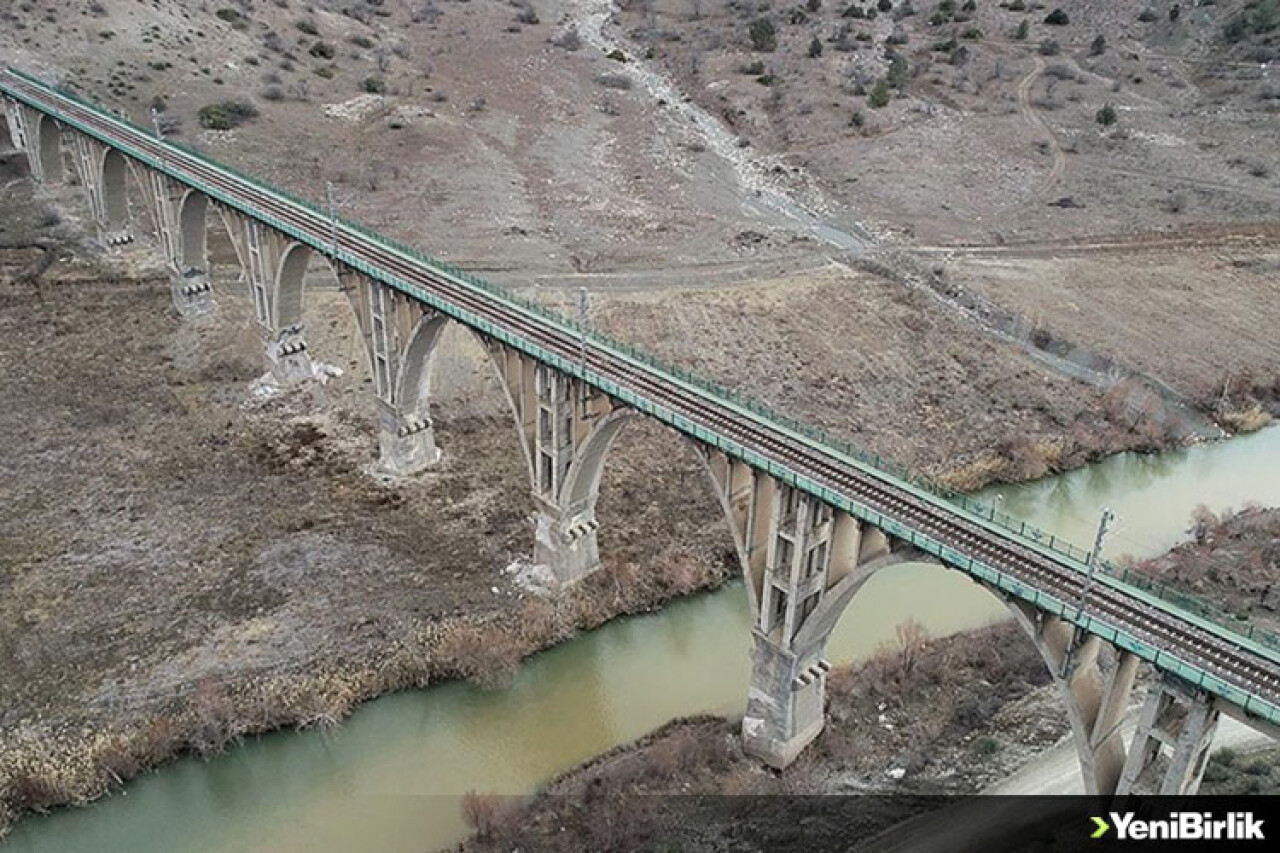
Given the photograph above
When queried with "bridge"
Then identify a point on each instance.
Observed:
(812, 519)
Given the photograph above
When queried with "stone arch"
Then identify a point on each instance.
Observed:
(50, 154)
(193, 231)
(412, 395)
(581, 487)
(114, 194)
(413, 388)
(1095, 697)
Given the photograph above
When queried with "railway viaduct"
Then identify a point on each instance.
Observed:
(811, 519)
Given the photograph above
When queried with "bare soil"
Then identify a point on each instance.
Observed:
(1006, 128)
(185, 561)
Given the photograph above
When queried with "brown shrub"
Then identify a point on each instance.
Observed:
(487, 655)
(118, 759)
(910, 638)
(157, 742)
(211, 713)
(669, 754)
(680, 576)
(35, 790)
(543, 622)
(488, 815)
(1024, 459)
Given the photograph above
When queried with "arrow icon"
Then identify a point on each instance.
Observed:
(1103, 826)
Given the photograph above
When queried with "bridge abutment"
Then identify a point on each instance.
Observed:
(784, 702)
(566, 543)
(191, 293)
(288, 361)
(406, 443)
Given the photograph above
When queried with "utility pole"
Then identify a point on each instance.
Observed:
(332, 203)
(1103, 523)
(155, 122)
(584, 317)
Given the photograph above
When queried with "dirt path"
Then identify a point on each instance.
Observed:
(1033, 118)
(1167, 177)
(1214, 237)
(1057, 771)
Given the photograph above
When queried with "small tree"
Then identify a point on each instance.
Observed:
(880, 94)
(815, 48)
(897, 75)
(1098, 47)
(226, 115)
(1057, 18)
(764, 36)
(885, 5)
(1107, 116)
(1023, 30)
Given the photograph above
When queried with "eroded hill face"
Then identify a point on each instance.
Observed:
(981, 121)
(486, 131)
(514, 137)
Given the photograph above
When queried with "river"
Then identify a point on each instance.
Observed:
(391, 777)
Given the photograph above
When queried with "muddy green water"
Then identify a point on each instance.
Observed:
(390, 778)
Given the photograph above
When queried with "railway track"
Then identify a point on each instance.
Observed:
(1161, 627)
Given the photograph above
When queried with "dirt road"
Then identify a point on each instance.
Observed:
(1029, 113)
(1057, 771)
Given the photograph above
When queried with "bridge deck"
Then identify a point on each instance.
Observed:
(1240, 671)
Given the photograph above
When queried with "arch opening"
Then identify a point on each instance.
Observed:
(193, 232)
(7, 142)
(413, 391)
(291, 279)
(650, 484)
(50, 149)
(884, 616)
(114, 194)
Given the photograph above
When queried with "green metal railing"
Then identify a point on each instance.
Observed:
(1159, 595)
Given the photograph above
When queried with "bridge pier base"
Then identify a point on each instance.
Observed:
(566, 543)
(784, 703)
(406, 443)
(192, 294)
(1181, 718)
(288, 361)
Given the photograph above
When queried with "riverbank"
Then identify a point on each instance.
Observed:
(1232, 561)
(185, 562)
(923, 716)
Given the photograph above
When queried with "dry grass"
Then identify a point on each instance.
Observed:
(39, 771)
(1250, 419)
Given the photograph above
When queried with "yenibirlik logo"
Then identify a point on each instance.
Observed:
(1182, 826)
